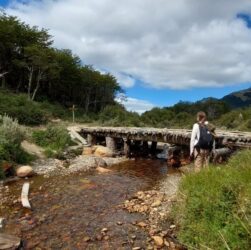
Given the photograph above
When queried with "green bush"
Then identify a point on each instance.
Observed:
(29, 112)
(116, 115)
(54, 139)
(11, 136)
(18, 107)
(214, 207)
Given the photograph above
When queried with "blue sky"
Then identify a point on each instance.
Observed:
(3, 2)
(179, 50)
(169, 97)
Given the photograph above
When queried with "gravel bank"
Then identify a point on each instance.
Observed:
(50, 167)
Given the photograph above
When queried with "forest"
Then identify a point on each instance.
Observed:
(30, 64)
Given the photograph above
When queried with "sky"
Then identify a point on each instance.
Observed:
(160, 51)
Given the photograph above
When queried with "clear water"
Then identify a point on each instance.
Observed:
(67, 210)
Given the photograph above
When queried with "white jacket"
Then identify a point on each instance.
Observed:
(194, 137)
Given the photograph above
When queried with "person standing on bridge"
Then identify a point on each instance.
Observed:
(202, 142)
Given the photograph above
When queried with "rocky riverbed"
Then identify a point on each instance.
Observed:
(76, 207)
(156, 205)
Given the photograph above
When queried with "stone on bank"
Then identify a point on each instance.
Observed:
(24, 171)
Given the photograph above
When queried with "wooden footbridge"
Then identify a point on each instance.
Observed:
(179, 137)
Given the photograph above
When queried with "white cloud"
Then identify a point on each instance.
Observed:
(136, 105)
(166, 44)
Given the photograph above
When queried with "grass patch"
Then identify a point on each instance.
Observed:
(214, 210)
(54, 140)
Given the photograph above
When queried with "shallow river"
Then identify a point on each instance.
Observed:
(70, 212)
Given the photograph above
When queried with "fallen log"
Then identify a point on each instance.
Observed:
(9, 242)
(24, 195)
(76, 136)
(221, 153)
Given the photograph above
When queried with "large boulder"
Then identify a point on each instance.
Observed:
(102, 151)
(25, 171)
(82, 163)
(100, 162)
(88, 151)
(33, 149)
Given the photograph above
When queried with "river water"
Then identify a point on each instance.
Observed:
(70, 212)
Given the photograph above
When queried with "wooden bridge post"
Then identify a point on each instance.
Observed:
(127, 147)
(110, 143)
(145, 150)
(153, 148)
(91, 139)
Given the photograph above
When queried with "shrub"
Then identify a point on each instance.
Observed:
(11, 131)
(214, 210)
(11, 136)
(116, 115)
(18, 107)
(53, 139)
(29, 112)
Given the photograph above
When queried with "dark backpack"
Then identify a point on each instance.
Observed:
(206, 139)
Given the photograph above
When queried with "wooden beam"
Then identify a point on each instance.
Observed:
(24, 195)
(127, 147)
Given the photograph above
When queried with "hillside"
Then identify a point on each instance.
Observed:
(238, 99)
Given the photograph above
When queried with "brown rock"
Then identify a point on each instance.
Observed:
(104, 230)
(24, 171)
(102, 151)
(133, 237)
(156, 203)
(103, 170)
(87, 151)
(166, 243)
(99, 237)
(158, 240)
(87, 239)
(106, 237)
(142, 224)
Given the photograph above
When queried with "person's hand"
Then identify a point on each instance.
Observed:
(191, 157)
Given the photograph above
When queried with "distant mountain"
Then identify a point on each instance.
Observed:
(238, 99)
(208, 99)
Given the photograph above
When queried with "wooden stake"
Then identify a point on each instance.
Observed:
(73, 109)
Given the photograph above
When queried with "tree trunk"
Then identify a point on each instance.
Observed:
(39, 77)
(2, 75)
(3, 82)
(87, 102)
(18, 86)
(30, 81)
